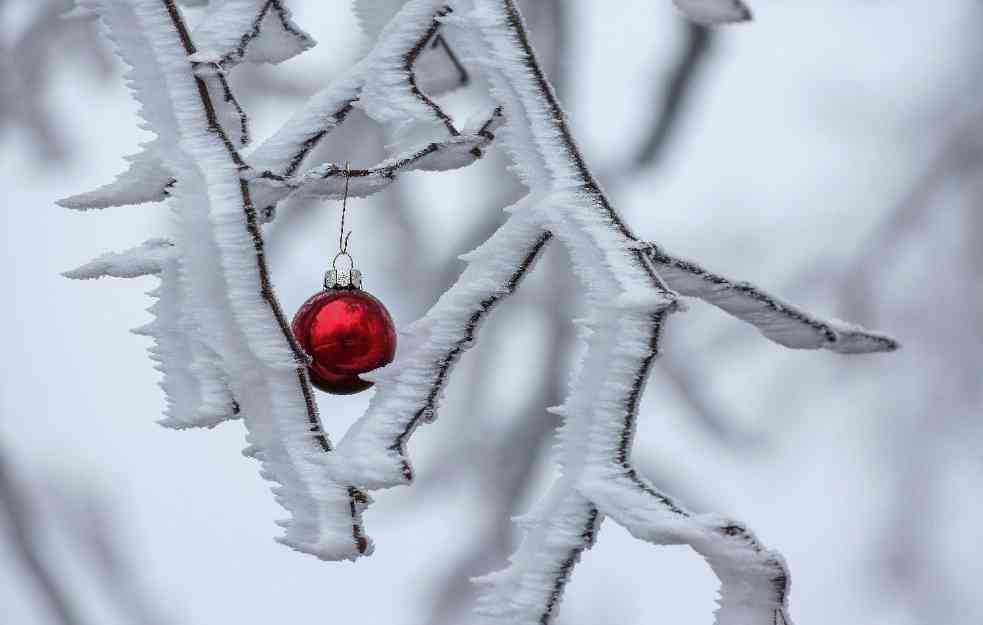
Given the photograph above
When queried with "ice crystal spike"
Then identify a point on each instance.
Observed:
(145, 180)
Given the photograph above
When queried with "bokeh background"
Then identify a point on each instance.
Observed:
(829, 151)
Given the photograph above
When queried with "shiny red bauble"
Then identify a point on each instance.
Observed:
(346, 332)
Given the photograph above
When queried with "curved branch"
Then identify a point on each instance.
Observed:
(284, 152)
(328, 180)
(779, 321)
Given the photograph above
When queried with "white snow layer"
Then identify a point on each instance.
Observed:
(779, 321)
(147, 259)
(145, 180)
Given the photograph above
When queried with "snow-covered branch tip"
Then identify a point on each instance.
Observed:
(779, 321)
(226, 351)
(148, 259)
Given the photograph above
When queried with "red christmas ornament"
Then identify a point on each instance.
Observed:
(346, 332)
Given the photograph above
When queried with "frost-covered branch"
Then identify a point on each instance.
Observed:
(779, 321)
(222, 339)
(227, 339)
(268, 35)
(383, 83)
(226, 349)
(629, 304)
(329, 179)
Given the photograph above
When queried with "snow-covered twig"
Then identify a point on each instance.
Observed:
(629, 303)
(281, 156)
(779, 321)
(383, 83)
(240, 324)
(216, 292)
(330, 180)
(222, 339)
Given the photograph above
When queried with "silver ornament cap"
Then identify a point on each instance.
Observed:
(343, 279)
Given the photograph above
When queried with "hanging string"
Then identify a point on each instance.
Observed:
(342, 237)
